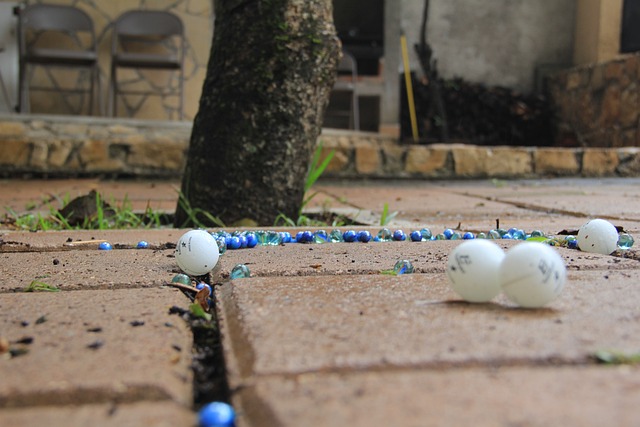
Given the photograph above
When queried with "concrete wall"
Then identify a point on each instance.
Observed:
(497, 42)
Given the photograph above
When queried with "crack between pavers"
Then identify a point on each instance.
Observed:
(103, 287)
(544, 209)
(546, 362)
(85, 396)
(229, 314)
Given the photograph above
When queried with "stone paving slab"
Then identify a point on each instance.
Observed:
(23, 241)
(317, 336)
(126, 268)
(38, 195)
(156, 414)
(94, 347)
(333, 323)
(524, 204)
(588, 197)
(88, 269)
(514, 396)
(372, 258)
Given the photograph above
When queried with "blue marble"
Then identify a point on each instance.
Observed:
(518, 235)
(285, 236)
(415, 236)
(234, 242)
(468, 236)
(349, 236)
(447, 233)
(142, 244)
(222, 245)
(364, 236)
(625, 241)
(273, 238)
(307, 237)
(252, 240)
(105, 246)
(240, 271)
(336, 236)
(403, 266)
(200, 286)
(384, 235)
(182, 279)
(216, 414)
(399, 236)
(537, 233)
(320, 236)
(494, 235)
(571, 241)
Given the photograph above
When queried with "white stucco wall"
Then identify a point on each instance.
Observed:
(496, 42)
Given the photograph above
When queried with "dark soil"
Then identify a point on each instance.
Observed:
(479, 114)
(210, 381)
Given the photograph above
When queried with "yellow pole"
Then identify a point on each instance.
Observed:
(409, 85)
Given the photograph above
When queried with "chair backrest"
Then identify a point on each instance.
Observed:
(148, 23)
(51, 17)
(38, 19)
(348, 65)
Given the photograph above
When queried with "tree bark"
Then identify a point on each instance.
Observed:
(271, 69)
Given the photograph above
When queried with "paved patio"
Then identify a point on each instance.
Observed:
(317, 336)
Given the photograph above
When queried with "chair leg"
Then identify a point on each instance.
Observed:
(181, 113)
(113, 92)
(22, 77)
(91, 89)
(355, 110)
(100, 109)
(5, 93)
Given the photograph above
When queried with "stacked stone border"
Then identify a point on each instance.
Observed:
(60, 146)
(597, 105)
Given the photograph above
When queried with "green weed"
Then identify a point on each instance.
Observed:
(194, 215)
(114, 217)
(387, 217)
(316, 169)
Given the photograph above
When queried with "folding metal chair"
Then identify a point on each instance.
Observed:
(5, 92)
(146, 39)
(346, 85)
(56, 36)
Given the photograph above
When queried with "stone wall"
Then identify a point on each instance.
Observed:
(83, 146)
(597, 105)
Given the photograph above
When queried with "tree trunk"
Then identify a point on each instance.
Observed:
(271, 69)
